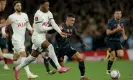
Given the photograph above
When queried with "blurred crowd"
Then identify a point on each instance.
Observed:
(91, 18)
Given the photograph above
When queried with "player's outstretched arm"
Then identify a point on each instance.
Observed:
(8, 22)
(55, 26)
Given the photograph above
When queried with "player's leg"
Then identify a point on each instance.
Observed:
(108, 53)
(65, 59)
(48, 60)
(20, 49)
(28, 72)
(60, 53)
(119, 50)
(60, 60)
(120, 54)
(111, 60)
(5, 51)
(52, 55)
(25, 62)
(29, 59)
(77, 56)
(111, 49)
(13, 57)
(46, 63)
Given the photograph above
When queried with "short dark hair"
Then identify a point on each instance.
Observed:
(15, 2)
(43, 1)
(70, 15)
(117, 9)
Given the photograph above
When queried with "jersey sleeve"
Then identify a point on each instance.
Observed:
(50, 15)
(26, 17)
(10, 18)
(28, 26)
(37, 18)
(109, 25)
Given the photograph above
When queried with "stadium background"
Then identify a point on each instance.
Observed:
(91, 20)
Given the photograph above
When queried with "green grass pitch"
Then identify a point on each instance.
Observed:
(94, 70)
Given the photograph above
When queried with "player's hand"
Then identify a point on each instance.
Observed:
(63, 34)
(119, 29)
(85, 45)
(31, 32)
(4, 35)
(124, 37)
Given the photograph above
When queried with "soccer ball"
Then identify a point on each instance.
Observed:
(115, 74)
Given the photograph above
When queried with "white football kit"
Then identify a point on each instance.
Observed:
(19, 25)
(41, 24)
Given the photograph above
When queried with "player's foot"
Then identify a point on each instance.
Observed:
(51, 72)
(16, 73)
(108, 72)
(6, 67)
(32, 76)
(84, 78)
(63, 70)
(108, 55)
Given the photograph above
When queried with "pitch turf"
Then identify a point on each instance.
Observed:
(94, 70)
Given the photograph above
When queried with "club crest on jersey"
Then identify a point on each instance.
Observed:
(36, 18)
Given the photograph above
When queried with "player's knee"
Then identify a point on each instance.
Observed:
(35, 53)
(121, 55)
(45, 44)
(23, 54)
(112, 57)
(16, 57)
(80, 59)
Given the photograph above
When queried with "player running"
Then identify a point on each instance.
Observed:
(64, 45)
(3, 43)
(19, 22)
(42, 20)
(115, 30)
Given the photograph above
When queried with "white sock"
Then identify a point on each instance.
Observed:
(26, 68)
(24, 63)
(8, 56)
(53, 56)
(65, 59)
